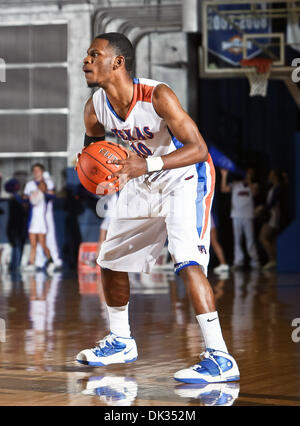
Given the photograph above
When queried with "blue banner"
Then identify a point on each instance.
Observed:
(225, 40)
(220, 160)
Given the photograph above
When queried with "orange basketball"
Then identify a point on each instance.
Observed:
(92, 167)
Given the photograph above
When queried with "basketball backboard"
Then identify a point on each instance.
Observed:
(233, 30)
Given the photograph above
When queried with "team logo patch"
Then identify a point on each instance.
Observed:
(202, 249)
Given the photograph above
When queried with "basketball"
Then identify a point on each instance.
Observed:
(36, 197)
(93, 170)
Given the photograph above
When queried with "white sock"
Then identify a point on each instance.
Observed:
(119, 321)
(211, 330)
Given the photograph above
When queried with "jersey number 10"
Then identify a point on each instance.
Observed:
(141, 149)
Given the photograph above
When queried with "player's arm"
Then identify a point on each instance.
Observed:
(49, 190)
(181, 125)
(184, 129)
(225, 188)
(94, 130)
(24, 197)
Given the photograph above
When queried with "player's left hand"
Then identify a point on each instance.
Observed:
(134, 166)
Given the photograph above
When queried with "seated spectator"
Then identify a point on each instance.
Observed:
(17, 223)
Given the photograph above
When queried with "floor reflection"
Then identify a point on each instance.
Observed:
(43, 291)
(111, 390)
(210, 394)
(48, 320)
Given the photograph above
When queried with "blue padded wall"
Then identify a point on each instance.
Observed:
(288, 242)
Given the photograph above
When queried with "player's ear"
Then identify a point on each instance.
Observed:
(118, 62)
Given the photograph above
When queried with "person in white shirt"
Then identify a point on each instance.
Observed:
(51, 241)
(35, 192)
(242, 214)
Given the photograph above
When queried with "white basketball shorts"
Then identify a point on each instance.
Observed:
(149, 212)
(38, 224)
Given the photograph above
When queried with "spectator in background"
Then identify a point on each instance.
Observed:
(271, 214)
(51, 233)
(285, 201)
(242, 214)
(17, 222)
(38, 191)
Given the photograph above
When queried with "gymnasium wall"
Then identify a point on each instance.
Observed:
(288, 241)
(42, 98)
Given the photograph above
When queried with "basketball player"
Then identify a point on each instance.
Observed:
(242, 214)
(165, 180)
(51, 232)
(35, 192)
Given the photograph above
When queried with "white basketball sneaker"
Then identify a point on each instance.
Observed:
(29, 268)
(222, 268)
(50, 266)
(110, 350)
(214, 367)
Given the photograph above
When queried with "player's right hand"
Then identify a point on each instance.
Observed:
(76, 160)
(133, 166)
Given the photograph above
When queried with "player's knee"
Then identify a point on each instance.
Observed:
(112, 277)
(42, 243)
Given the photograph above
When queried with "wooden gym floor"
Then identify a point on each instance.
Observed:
(48, 320)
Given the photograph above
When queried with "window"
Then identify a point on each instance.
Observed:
(34, 98)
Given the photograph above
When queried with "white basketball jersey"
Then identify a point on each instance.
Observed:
(142, 129)
(174, 203)
(242, 205)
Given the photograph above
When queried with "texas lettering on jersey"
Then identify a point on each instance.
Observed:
(135, 134)
(142, 128)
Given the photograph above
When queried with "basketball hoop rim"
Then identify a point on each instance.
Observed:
(258, 71)
(260, 65)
